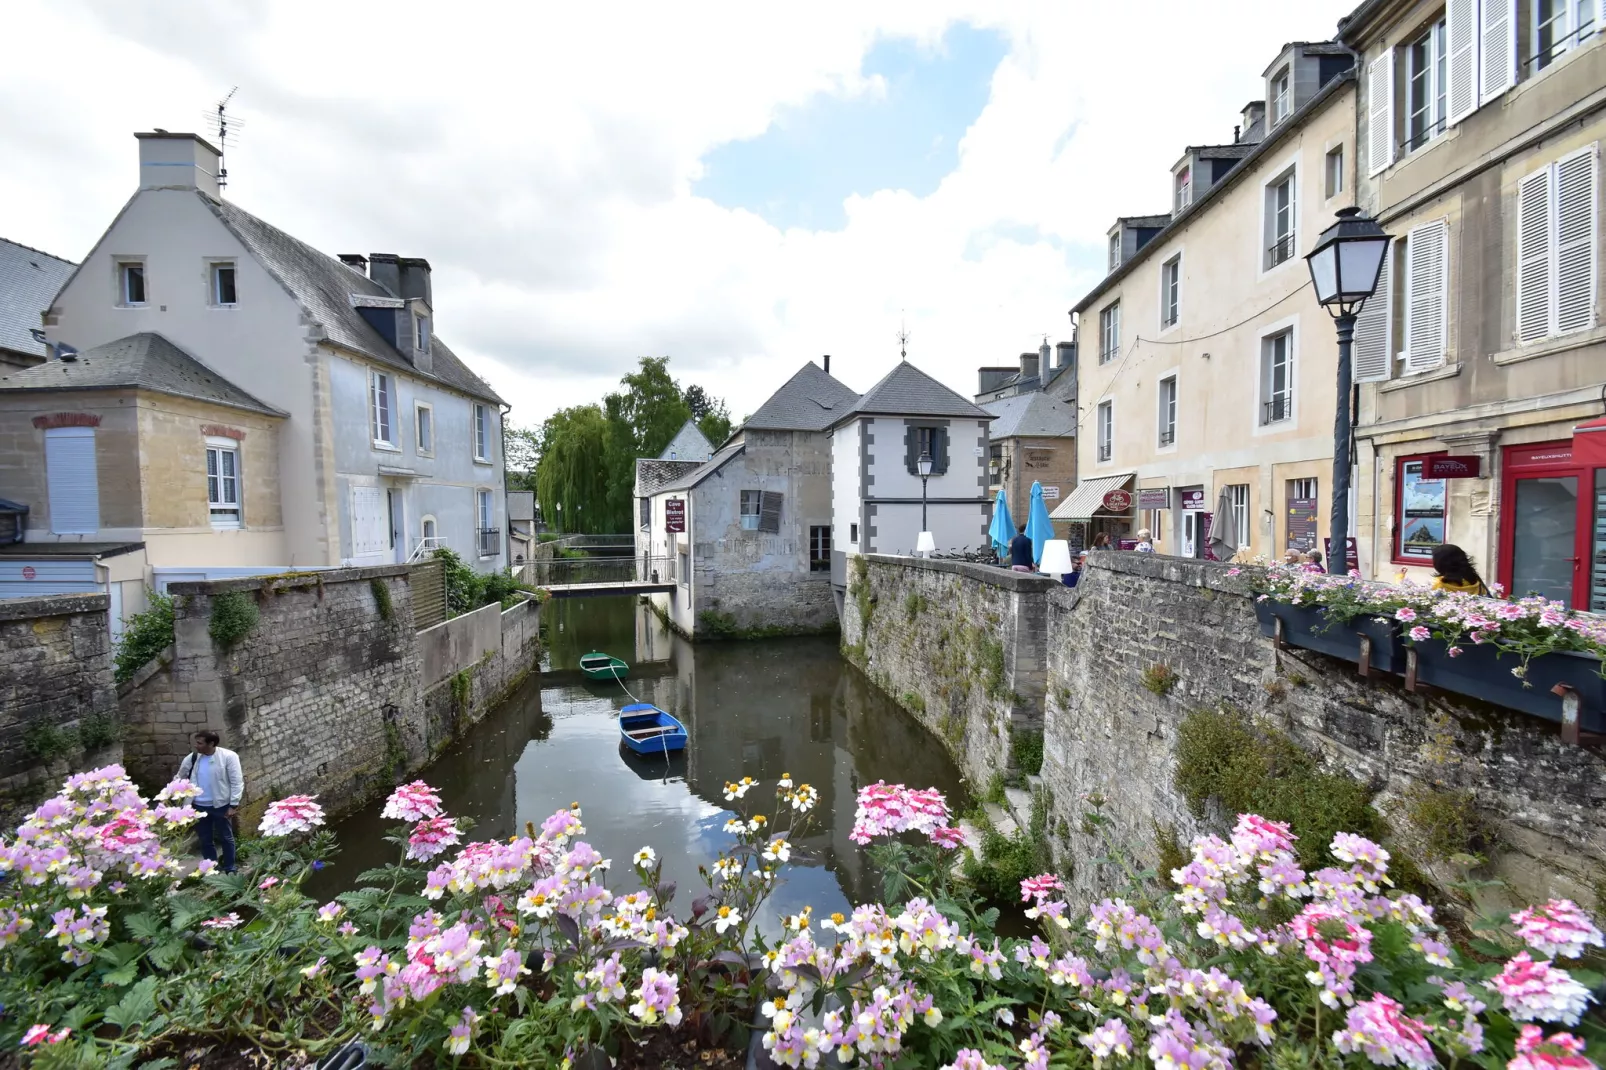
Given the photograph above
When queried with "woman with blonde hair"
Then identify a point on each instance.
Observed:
(1145, 541)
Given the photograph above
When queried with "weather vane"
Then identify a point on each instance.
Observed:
(903, 340)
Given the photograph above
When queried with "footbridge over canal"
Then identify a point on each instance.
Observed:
(591, 577)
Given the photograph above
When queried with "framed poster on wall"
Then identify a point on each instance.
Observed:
(1419, 512)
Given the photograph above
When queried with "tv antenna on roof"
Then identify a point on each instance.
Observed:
(226, 131)
(903, 340)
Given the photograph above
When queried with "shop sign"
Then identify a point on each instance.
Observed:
(1051, 493)
(1546, 455)
(1126, 544)
(1452, 467)
(675, 515)
(1193, 500)
(1118, 501)
(1352, 553)
(1301, 524)
(1154, 498)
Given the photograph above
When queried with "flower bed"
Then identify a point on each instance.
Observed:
(525, 953)
(1310, 627)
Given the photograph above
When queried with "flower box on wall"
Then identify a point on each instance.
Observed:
(1483, 671)
(1309, 627)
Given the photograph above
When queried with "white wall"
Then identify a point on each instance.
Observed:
(845, 459)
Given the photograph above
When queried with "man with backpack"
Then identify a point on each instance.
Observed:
(216, 771)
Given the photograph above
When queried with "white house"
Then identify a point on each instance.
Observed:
(382, 440)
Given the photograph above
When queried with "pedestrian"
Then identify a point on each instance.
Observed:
(1145, 541)
(1020, 551)
(216, 771)
(1313, 561)
(1077, 565)
(1453, 571)
(1101, 541)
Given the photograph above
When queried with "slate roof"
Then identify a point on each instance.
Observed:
(654, 472)
(1033, 415)
(324, 287)
(29, 280)
(908, 391)
(704, 470)
(812, 400)
(146, 361)
(689, 444)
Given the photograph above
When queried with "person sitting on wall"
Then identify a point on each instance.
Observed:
(216, 771)
(1074, 577)
(1020, 551)
(1453, 571)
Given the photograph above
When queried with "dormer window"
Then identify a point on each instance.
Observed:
(1281, 99)
(421, 333)
(1115, 250)
(1184, 188)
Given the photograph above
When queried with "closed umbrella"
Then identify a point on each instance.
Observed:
(1039, 528)
(1223, 535)
(1003, 528)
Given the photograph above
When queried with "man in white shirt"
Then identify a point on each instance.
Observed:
(216, 771)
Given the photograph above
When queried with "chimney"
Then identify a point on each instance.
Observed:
(828, 364)
(1065, 354)
(385, 269)
(415, 279)
(355, 260)
(1254, 119)
(1028, 365)
(1235, 134)
(177, 161)
(1043, 353)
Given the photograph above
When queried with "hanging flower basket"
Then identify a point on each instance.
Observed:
(1484, 671)
(1311, 628)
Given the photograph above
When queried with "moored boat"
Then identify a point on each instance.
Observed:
(646, 729)
(599, 666)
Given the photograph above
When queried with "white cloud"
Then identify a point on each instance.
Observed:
(542, 157)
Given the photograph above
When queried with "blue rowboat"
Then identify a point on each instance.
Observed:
(646, 729)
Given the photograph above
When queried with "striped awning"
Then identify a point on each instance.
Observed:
(1088, 497)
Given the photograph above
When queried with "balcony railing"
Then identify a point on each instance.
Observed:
(1168, 436)
(1104, 451)
(490, 541)
(1280, 407)
(426, 546)
(1280, 250)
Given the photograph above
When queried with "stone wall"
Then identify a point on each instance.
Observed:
(55, 670)
(327, 694)
(961, 646)
(1111, 740)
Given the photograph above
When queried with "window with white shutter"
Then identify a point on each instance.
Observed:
(1380, 113)
(72, 480)
(1370, 349)
(370, 521)
(1556, 247)
(1497, 47)
(1461, 18)
(1427, 264)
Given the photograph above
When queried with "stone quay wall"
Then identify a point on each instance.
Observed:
(1110, 742)
(961, 646)
(55, 670)
(326, 695)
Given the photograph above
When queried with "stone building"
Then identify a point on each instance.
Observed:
(1483, 351)
(1033, 433)
(242, 403)
(28, 280)
(746, 535)
(1206, 363)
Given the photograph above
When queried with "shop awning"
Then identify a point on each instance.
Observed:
(1589, 444)
(1088, 497)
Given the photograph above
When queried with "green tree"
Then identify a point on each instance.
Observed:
(521, 450)
(642, 418)
(712, 416)
(570, 482)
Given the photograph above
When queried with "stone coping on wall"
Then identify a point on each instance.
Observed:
(1189, 571)
(288, 580)
(53, 605)
(991, 575)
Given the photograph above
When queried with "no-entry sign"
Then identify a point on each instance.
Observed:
(28, 572)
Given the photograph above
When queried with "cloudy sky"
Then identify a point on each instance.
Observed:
(741, 187)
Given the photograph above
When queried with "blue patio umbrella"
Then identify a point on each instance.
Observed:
(1003, 528)
(1039, 528)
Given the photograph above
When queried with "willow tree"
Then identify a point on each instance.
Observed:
(571, 482)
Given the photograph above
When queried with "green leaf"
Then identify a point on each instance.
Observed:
(123, 975)
(144, 926)
(164, 1063)
(137, 1005)
(165, 955)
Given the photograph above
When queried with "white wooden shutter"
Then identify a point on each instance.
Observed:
(370, 521)
(1427, 279)
(1380, 112)
(1575, 240)
(1461, 25)
(1370, 349)
(1497, 51)
(73, 482)
(1535, 252)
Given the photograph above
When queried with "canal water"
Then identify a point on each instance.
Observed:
(756, 709)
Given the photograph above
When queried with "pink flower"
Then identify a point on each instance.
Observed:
(292, 814)
(430, 837)
(1405, 614)
(1234, 571)
(1040, 887)
(1537, 991)
(1378, 1030)
(1559, 1051)
(1419, 633)
(948, 837)
(1558, 929)
(971, 1059)
(1454, 652)
(36, 1035)
(227, 921)
(267, 882)
(889, 809)
(413, 802)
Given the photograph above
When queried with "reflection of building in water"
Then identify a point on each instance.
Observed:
(652, 636)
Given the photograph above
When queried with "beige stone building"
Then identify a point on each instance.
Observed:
(1206, 365)
(1032, 437)
(1481, 127)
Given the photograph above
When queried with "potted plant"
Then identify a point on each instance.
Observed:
(1330, 614)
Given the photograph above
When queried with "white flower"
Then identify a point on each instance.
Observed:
(778, 851)
(645, 857)
(736, 826)
(725, 917)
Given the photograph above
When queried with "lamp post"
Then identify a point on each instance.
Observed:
(1344, 268)
(923, 466)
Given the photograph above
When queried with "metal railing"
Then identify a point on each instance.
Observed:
(1280, 250)
(426, 546)
(1168, 436)
(570, 570)
(1104, 451)
(1280, 407)
(490, 541)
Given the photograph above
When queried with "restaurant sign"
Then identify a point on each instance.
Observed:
(1193, 500)
(1154, 498)
(675, 515)
(1118, 501)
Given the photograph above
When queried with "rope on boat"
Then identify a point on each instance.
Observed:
(620, 680)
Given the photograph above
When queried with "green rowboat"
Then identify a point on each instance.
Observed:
(599, 666)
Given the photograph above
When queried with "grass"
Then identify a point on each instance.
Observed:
(1159, 678)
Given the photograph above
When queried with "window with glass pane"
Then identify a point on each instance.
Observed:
(752, 506)
(1559, 25)
(1168, 410)
(1238, 498)
(1280, 220)
(131, 283)
(1425, 87)
(1277, 378)
(1115, 250)
(819, 549)
(1109, 332)
(1280, 98)
(481, 433)
(223, 284)
(1106, 440)
(379, 402)
(223, 484)
(1543, 550)
(1170, 291)
(1335, 172)
(1184, 185)
(426, 429)
(1597, 558)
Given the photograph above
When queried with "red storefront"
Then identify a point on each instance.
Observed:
(1553, 518)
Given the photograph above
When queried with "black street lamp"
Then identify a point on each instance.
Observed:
(1344, 268)
(923, 466)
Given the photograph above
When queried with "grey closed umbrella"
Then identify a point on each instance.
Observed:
(1223, 538)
